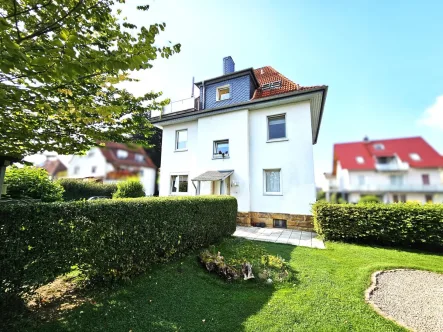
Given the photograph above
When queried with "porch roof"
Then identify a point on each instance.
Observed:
(213, 176)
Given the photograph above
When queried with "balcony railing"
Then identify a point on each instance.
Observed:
(400, 166)
(431, 188)
(178, 106)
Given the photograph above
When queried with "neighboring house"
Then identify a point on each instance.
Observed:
(249, 135)
(114, 162)
(396, 170)
(55, 168)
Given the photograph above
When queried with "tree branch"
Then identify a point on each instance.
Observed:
(51, 26)
(16, 19)
(28, 10)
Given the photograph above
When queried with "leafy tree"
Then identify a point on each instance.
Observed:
(61, 62)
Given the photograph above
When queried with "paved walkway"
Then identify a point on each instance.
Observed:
(278, 235)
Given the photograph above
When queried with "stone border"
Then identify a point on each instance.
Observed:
(373, 287)
(294, 221)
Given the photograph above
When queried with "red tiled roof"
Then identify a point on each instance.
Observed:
(54, 166)
(347, 153)
(268, 74)
(109, 151)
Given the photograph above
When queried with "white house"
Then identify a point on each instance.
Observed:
(402, 169)
(114, 162)
(250, 134)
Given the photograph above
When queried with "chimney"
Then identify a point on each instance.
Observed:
(366, 139)
(228, 65)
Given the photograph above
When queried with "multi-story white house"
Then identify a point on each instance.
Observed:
(250, 135)
(402, 169)
(115, 162)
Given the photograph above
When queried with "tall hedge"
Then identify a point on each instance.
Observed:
(107, 239)
(399, 224)
(81, 189)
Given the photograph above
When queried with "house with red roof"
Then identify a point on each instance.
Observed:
(113, 162)
(396, 170)
(249, 134)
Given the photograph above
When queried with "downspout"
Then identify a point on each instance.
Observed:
(203, 93)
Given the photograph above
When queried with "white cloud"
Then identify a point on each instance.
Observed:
(433, 115)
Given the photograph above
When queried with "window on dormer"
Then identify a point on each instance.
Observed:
(139, 157)
(360, 159)
(122, 154)
(223, 93)
(379, 146)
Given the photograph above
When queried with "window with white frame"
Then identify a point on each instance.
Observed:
(122, 154)
(396, 180)
(223, 93)
(181, 139)
(277, 126)
(139, 157)
(361, 180)
(360, 160)
(179, 184)
(379, 146)
(272, 182)
(221, 149)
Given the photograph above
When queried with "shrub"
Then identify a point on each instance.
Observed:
(81, 189)
(107, 239)
(129, 189)
(402, 224)
(32, 182)
(369, 199)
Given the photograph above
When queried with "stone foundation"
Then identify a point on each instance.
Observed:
(293, 221)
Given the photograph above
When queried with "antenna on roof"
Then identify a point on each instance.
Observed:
(192, 93)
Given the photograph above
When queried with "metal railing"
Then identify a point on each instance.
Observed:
(398, 166)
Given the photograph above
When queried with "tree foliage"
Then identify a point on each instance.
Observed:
(61, 62)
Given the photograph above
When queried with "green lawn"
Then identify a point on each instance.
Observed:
(328, 295)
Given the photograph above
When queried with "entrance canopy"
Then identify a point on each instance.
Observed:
(213, 176)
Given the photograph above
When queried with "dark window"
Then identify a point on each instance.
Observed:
(179, 184)
(425, 178)
(428, 198)
(276, 127)
(403, 198)
(221, 149)
(395, 197)
(93, 169)
(279, 223)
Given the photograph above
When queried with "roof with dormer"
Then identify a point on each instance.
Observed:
(109, 151)
(347, 153)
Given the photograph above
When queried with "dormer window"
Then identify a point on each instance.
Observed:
(415, 156)
(379, 146)
(223, 92)
(122, 154)
(360, 160)
(139, 157)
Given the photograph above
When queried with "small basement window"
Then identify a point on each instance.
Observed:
(223, 93)
(221, 149)
(279, 223)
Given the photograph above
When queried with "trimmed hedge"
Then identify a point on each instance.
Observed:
(399, 224)
(107, 239)
(129, 189)
(79, 189)
(32, 182)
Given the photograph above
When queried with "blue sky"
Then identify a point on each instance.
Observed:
(382, 60)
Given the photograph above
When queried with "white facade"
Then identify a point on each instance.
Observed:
(250, 154)
(95, 165)
(408, 185)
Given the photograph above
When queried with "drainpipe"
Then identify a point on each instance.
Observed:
(203, 93)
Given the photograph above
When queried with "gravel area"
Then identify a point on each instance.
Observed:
(412, 298)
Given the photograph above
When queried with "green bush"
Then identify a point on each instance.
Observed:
(81, 189)
(32, 182)
(129, 189)
(107, 239)
(369, 199)
(402, 224)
